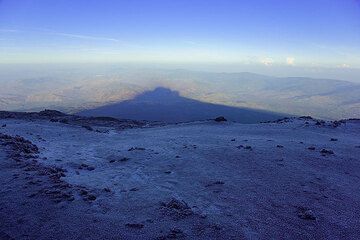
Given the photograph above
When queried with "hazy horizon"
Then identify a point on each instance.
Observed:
(351, 75)
(278, 38)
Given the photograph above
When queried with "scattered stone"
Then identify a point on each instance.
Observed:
(4, 125)
(134, 189)
(177, 156)
(220, 119)
(233, 140)
(167, 172)
(248, 147)
(23, 152)
(279, 146)
(107, 189)
(311, 148)
(333, 139)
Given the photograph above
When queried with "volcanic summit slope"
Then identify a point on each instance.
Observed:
(296, 178)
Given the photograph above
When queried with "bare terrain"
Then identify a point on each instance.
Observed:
(102, 178)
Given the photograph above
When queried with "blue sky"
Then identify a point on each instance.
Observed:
(306, 33)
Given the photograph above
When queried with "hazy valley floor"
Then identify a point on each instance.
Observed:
(203, 180)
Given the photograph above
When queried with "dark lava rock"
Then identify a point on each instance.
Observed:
(83, 192)
(4, 125)
(83, 165)
(306, 214)
(51, 113)
(20, 145)
(136, 148)
(306, 118)
(134, 225)
(311, 148)
(124, 159)
(5, 236)
(174, 233)
(333, 139)
(326, 152)
(320, 123)
(215, 183)
(336, 124)
(113, 159)
(176, 208)
(220, 119)
(279, 146)
(65, 121)
(87, 127)
(91, 197)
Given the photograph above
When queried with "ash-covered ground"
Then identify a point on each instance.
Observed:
(68, 177)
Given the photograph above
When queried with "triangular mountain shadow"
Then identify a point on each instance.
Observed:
(165, 105)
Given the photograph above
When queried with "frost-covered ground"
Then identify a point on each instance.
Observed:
(201, 180)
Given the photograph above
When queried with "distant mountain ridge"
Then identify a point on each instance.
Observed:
(321, 98)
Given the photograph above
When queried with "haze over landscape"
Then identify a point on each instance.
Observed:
(157, 119)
